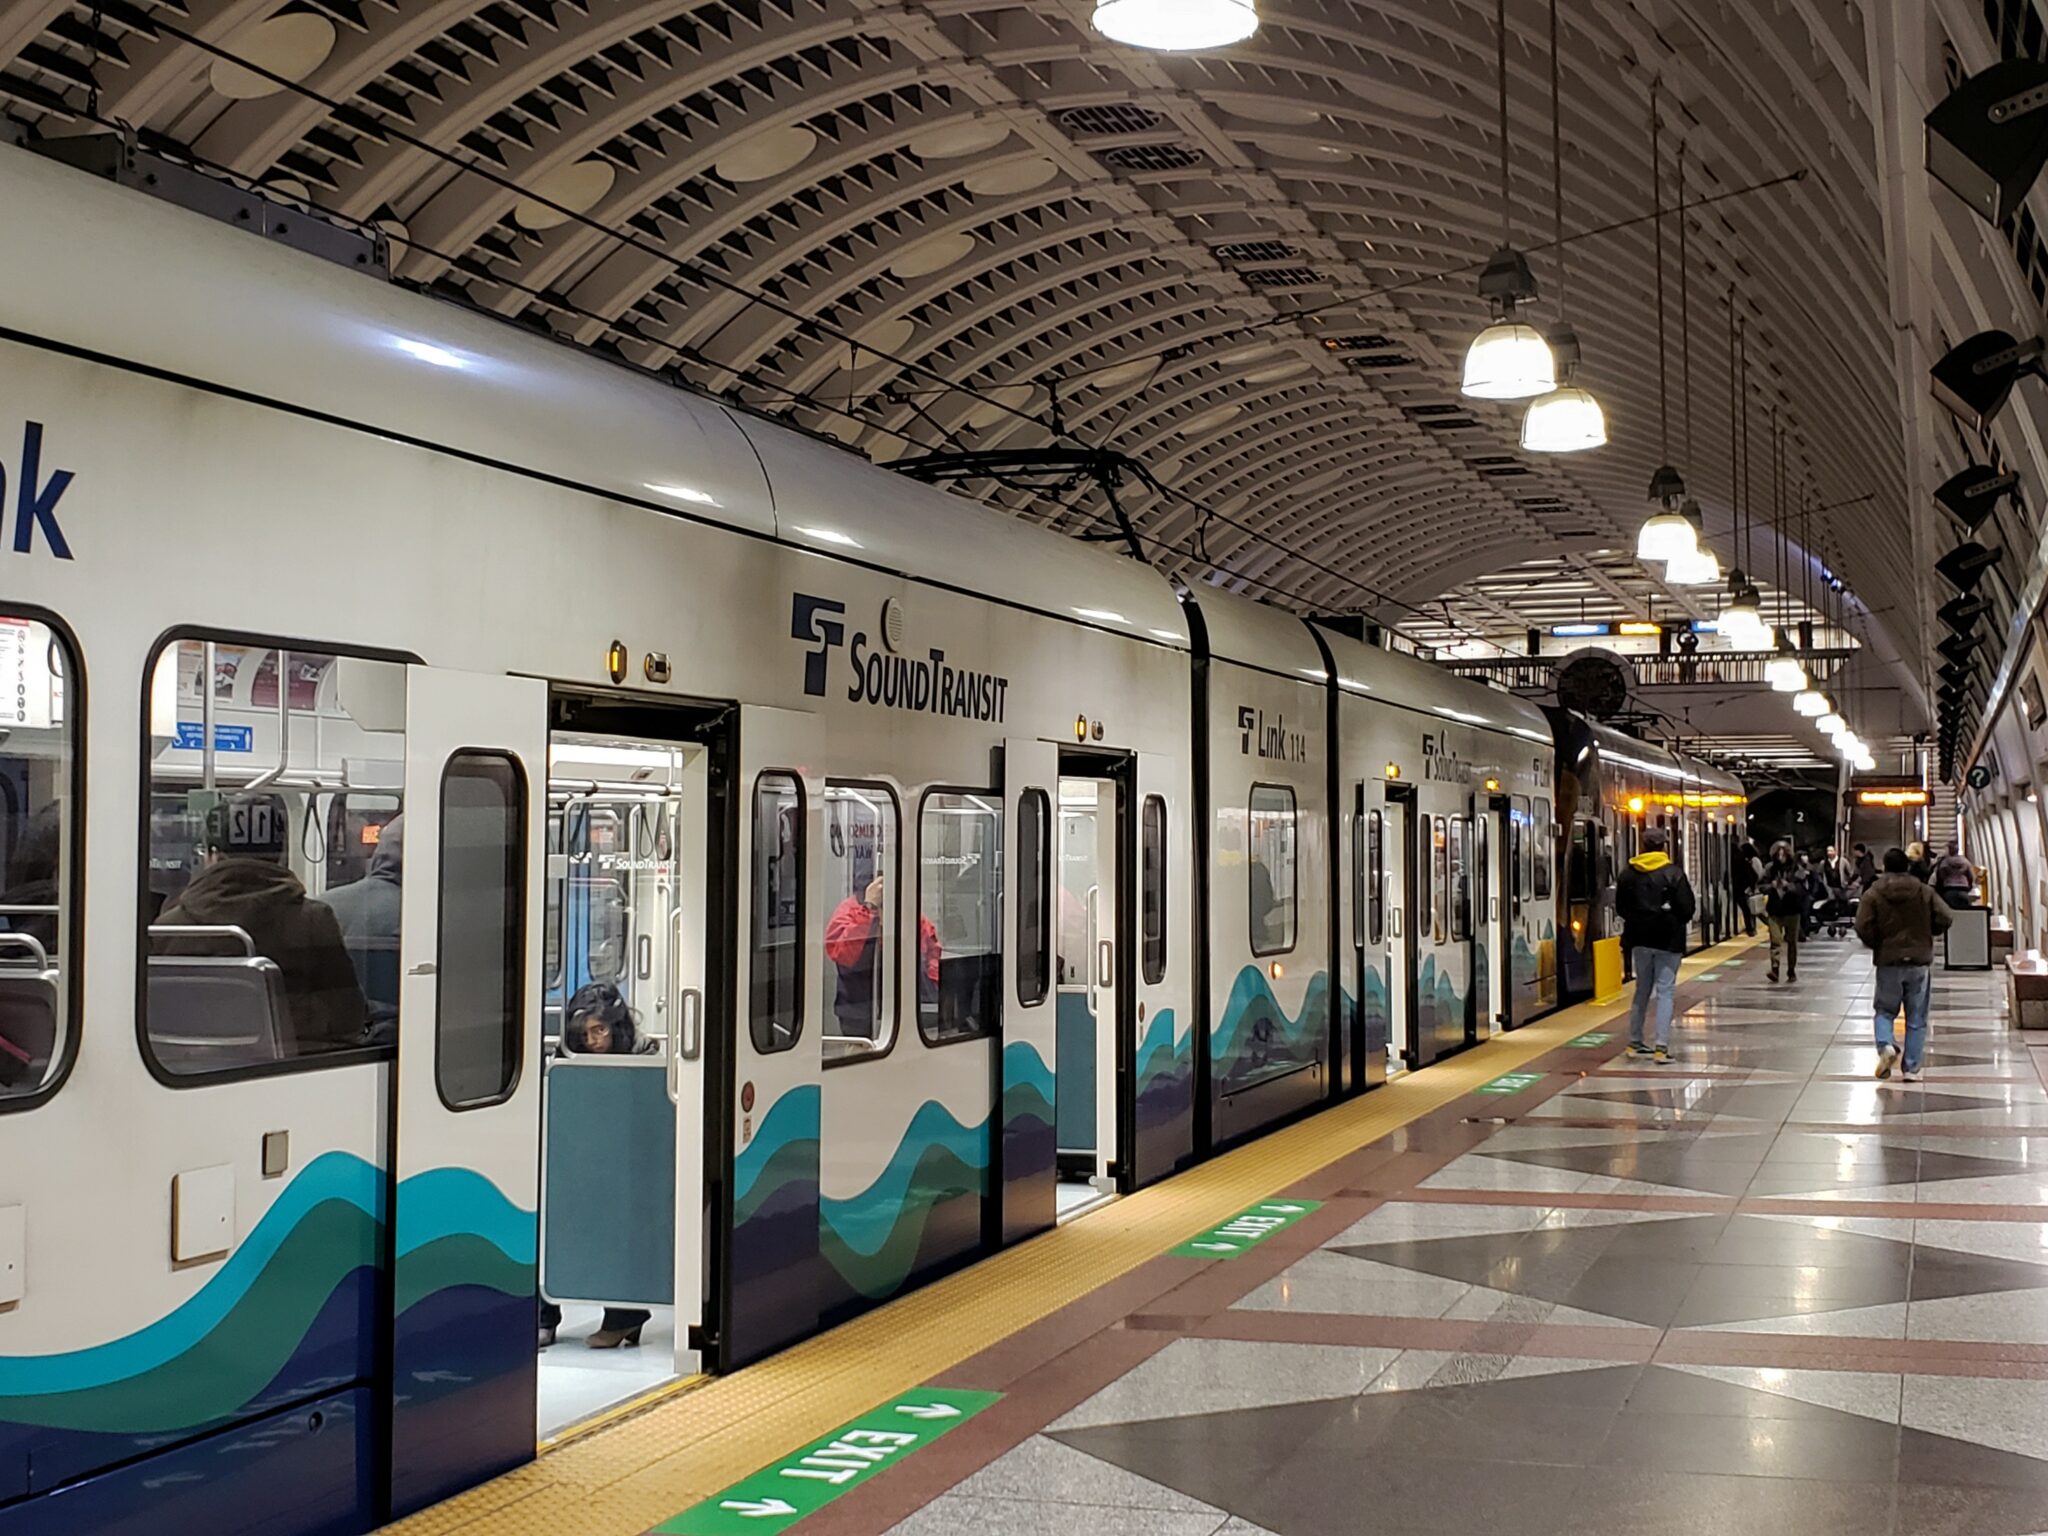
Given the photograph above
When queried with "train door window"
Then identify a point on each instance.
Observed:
(597, 846)
(1521, 847)
(479, 1017)
(255, 961)
(1439, 879)
(1034, 896)
(1375, 892)
(960, 916)
(862, 955)
(1152, 889)
(1461, 878)
(1543, 839)
(1270, 869)
(39, 807)
(775, 1016)
(1418, 905)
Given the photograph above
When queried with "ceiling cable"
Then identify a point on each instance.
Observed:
(1557, 164)
(1657, 229)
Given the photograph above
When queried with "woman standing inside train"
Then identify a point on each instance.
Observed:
(600, 1024)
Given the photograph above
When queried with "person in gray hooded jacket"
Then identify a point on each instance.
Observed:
(367, 910)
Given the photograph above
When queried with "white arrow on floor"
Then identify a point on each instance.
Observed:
(1271, 1206)
(929, 1410)
(758, 1509)
(1215, 1247)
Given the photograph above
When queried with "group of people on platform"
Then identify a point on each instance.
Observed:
(1898, 907)
(1797, 894)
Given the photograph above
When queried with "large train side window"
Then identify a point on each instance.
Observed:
(1269, 865)
(1152, 890)
(1375, 892)
(1034, 896)
(479, 1015)
(775, 1016)
(862, 956)
(266, 948)
(39, 868)
(1543, 834)
(960, 916)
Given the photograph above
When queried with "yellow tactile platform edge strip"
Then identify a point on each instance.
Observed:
(630, 1476)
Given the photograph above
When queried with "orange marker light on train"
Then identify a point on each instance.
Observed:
(1635, 805)
(1393, 770)
(1277, 970)
(615, 660)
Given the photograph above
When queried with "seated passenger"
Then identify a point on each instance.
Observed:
(27, 1025)
(853, 940)
(245, 884)
(367, 910)
(600, 1024)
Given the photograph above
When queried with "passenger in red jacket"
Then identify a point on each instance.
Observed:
(853, 939)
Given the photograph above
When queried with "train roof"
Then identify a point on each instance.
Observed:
(1373, 672)
(134, 279)
(1256, 634)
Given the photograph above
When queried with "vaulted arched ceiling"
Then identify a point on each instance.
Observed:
(1254, 269)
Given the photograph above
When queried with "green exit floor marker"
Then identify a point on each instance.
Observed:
(805, 1481)
(1513, 1082)
(1247, 1229)
(1587, 1040)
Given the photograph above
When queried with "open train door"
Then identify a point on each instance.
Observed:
(1027, 1092)
(461, 1377)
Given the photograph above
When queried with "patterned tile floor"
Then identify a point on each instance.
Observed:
(1752, 1289)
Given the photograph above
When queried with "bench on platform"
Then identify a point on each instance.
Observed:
(2026, 991)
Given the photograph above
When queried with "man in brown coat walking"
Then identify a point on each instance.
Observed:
(1897, 921)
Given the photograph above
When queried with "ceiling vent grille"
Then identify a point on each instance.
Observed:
(1150, 157)
(1370, 360)
(1372, 343)
(1256, 250)
(1110, 119)
(1283, 277)
(1448, 423)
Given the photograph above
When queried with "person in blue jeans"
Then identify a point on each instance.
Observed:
(1897, 920)
(1655, 903)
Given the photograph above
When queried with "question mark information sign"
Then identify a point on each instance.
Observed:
(1247, 1229)
(805, 1481)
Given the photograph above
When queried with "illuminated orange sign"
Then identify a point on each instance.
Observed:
(1892, 799)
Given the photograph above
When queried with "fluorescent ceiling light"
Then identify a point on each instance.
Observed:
(1176, 26)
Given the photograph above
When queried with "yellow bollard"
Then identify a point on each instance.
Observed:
(1606, 969)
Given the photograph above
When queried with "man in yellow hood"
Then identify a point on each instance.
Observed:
(1655, 902)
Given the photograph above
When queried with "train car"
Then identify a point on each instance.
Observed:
(1263, 754)
(672, 887)
(1446, 919)
(1610, 789)
(616, 689)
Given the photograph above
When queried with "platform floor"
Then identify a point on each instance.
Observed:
(1751, 1290)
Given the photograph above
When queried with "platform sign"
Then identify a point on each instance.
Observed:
(1585, 1041)
(1247, 1229)
(805, 1481)
(1512, 1082)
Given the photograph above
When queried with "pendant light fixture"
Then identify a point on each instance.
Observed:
(1568, 419)
(1695, 567)
(1810, 702)
(1667, 529)
(1177, 26)
(1783, 671)
(1742, 621)
(1509, 360)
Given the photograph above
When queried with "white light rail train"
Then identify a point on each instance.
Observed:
(494, 843)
